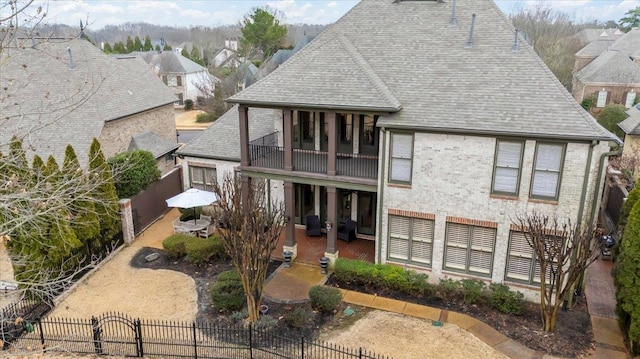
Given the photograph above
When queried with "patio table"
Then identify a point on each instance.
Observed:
(195, 226)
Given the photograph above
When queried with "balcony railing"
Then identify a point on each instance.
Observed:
(264, 152)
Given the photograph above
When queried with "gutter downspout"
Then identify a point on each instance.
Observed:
(381, 194)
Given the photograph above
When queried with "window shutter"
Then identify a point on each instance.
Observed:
(457, 241)
(422, 240)
(481, 253)
(547, 170)
(507, 166)
(520, 257)
(401, 154)
(399, 228)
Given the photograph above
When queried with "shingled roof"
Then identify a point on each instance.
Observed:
(631, 125)
(404, 58)
(156, 144)
(169, 62)
(56, 100)
(612, 66)
(221, 140)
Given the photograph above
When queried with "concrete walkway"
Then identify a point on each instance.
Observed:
(601, 299)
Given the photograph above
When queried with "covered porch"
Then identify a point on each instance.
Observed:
(310, 249)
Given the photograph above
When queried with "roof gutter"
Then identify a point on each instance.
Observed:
(333, 107)
(199, 155)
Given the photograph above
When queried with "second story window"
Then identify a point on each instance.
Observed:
(547, 170)
(179, 80)
(506, 171)
(164, 79)
(401, 157)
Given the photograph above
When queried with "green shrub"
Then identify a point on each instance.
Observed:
(229, 275)
(472, 290)
(240, 315)
(611, 116)
(297, 317)
(448, 289)
(205, 117)
(588, 102)
(505, 300)
(188, 104)
(381, 276)
(227, 294)
(174, 245)
(197, 250)
(325, 299)
(133, 171)
(266, 322)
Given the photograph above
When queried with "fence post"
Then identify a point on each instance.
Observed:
(250, 341)
(302, 347)
(138, 326)
(360, 353)
(195, 343)
(41, 335)
(97, 341)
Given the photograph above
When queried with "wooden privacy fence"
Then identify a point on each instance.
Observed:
(149, 204)
(118, 334)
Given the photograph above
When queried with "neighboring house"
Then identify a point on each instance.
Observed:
(631, 128)
(67, 91)
(608, 69)
(433, 144)
(282, 55)
(216, 151)
(163, 150)
(228, 55)
(186, 78)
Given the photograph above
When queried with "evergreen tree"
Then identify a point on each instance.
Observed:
(185, 53)
(158, 48)
(107, 48)
(630, 20)
(130, 47)
(166, 47)
(627, 277)
(147, 43)
(261, 30)
(107, 207)
(195, 56)
(83, 213)
(118, 48)
(137, 44)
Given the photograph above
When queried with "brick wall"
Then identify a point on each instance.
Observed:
(617, 93)
(452, 177)
(116, 135)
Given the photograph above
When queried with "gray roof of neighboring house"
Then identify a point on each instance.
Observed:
(222, 139)
(628, 43)
(612, 66)
(631, 125)
(156, 144)
(595, 48)
(55, 105)
(405, 59)
(169, 62)
(587, 35)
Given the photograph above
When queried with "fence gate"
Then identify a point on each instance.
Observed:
(116, 334)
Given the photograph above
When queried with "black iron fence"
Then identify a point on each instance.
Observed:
(117, 334)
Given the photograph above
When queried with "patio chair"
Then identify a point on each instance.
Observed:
(208, 218)
(182, 230)
(347, 231)
(313, 225)
(205, 233)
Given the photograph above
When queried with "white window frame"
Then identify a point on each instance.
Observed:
(602, 98)
(399, 157)
(504, 165)
(541, 170)
(205, 184)
(406, 244)
(472, 249)
(630, 99)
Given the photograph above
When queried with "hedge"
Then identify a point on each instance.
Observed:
(197, 250)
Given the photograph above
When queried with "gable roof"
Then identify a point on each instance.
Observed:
(595, 48)
(628, 43)
(588, 35)
(221, 140)
(612, 66)
(169, 62)
(631, 125)
(156, 144)
(56, 104)
(404, 58)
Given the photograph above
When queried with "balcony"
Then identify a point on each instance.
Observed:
(265, 153)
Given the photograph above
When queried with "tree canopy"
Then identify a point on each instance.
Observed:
(630, 19)
(262, 31)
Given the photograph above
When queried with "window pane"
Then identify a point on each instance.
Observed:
(506, 180)
(509, 154)
(544, 184)
(400, 170)
(549, 157)
(457, 241)
(399, 228)
(422, 240)
(401, 146)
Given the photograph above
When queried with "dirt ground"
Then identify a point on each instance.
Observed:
(187, 119)
(403, 337)
(144, 293)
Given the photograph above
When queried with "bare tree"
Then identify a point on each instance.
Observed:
(251, 228)
(563, 253)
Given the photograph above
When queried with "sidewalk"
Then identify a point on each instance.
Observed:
(601, 299)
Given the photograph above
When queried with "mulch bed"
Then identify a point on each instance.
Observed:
(572, 338)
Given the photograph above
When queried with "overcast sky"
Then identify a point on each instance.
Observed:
(222, 12)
